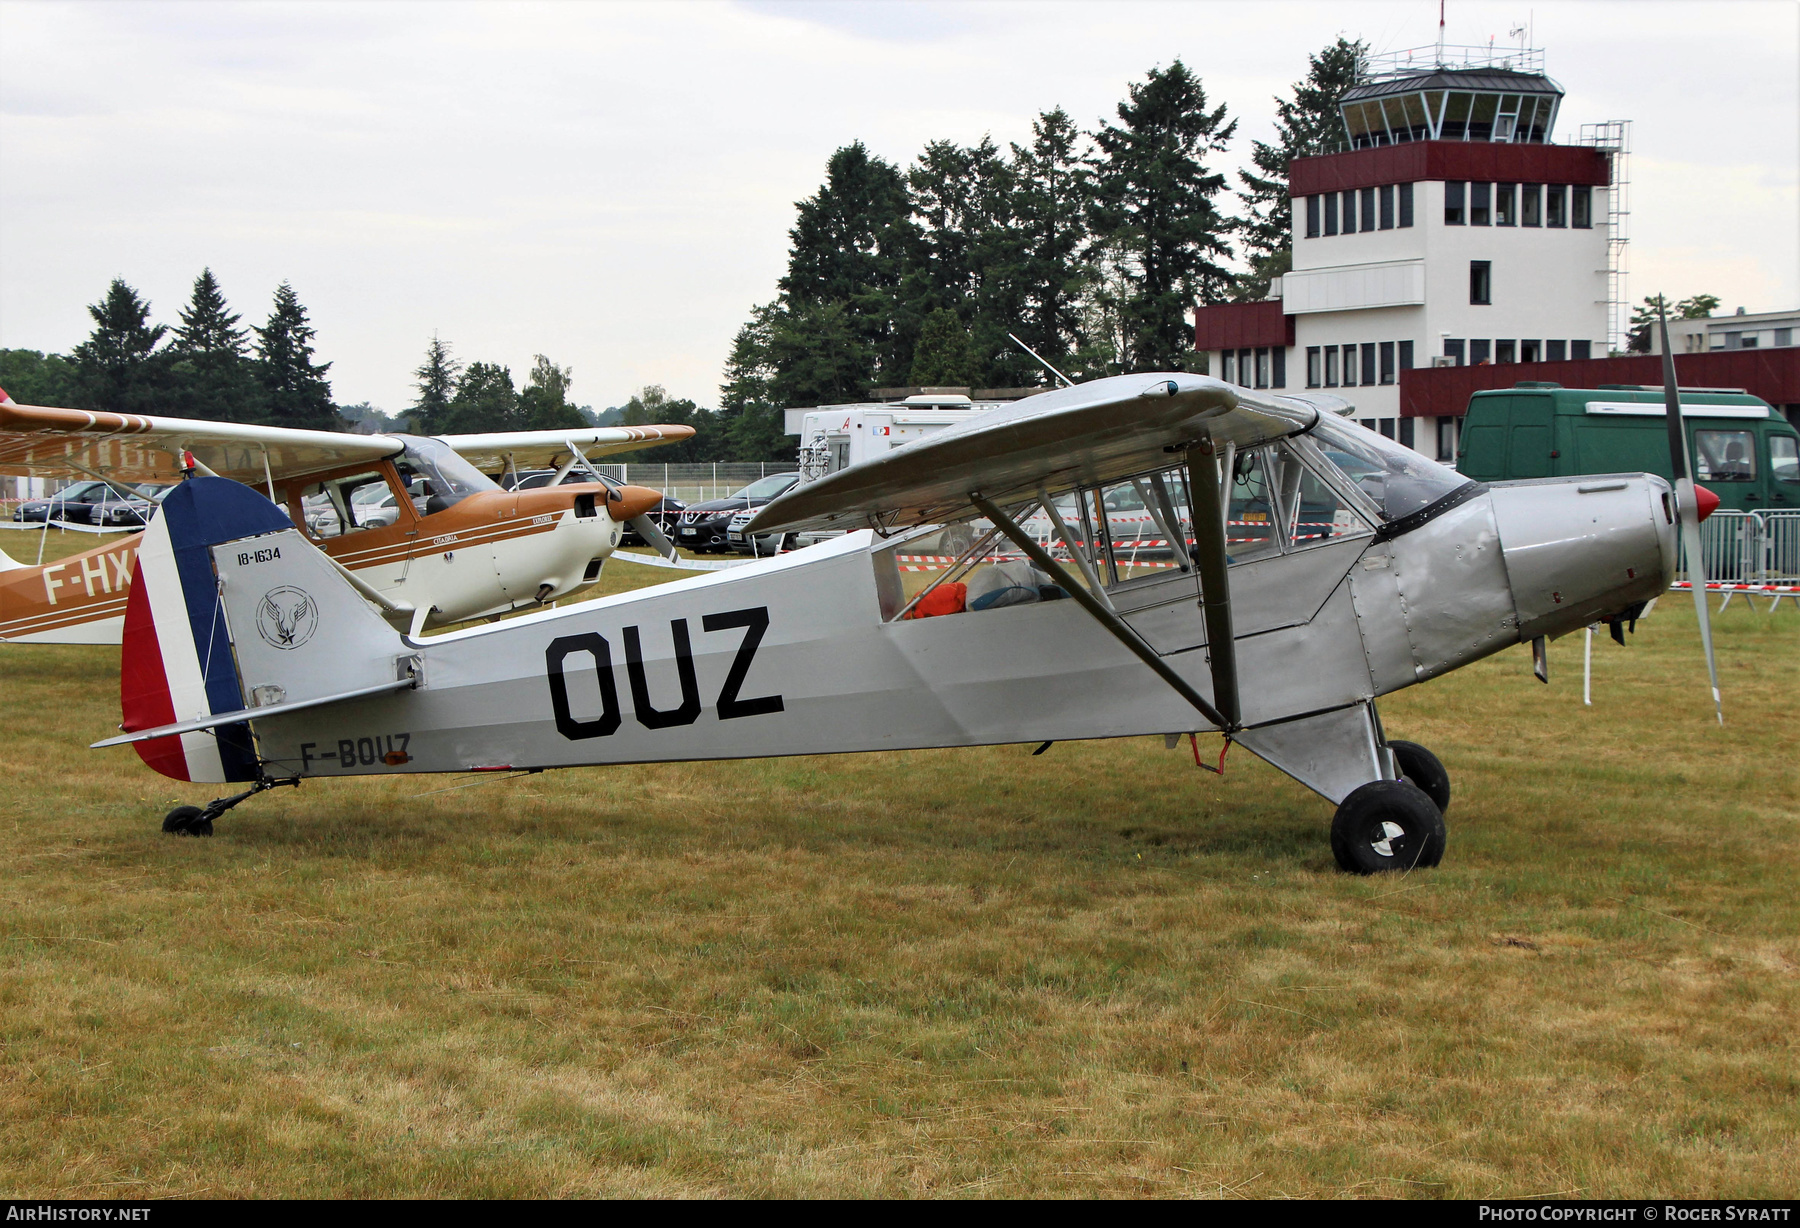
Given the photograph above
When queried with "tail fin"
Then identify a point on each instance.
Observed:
(232, 609)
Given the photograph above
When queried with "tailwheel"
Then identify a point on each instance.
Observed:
(1425, 770)
(187, 821)
(1387, 825)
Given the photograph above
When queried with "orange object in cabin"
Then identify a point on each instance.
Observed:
(951, 598)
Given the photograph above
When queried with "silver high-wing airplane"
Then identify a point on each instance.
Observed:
(1326, 567)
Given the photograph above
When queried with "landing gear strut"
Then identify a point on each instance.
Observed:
(198, 820)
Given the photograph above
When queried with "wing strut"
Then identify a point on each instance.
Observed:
(1210, 492)
(1102, 615)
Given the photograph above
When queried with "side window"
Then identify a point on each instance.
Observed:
(348, 505)
(1724, 456)
(1784, 458)
(1251, 528)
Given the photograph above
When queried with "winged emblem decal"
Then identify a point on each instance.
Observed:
(287, 617)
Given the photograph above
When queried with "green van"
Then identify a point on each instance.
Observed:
(1742, 450)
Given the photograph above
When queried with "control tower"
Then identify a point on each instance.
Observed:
(1450, 229)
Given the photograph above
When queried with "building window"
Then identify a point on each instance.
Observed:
(1580, 350)
(1454, 349)
(1784, 336)
(1350, 368)
(1368, 208)
(1479, 352)
(1531, 351)
(1312, 217)
(1262, 368)
(1246, 372)
(1446, 439)
(1506, 211)
(1581, 207)
(1555, 351)
(1387, 362)
(1387, 206)
(1368, 363)
(1406, 194)
(1331, 366)
(1556, 205)
(1350, 212)
(1453, 203)
(1479, 206)
(1406, 356)
(1228, 366)
(1749, 341)
(1387, 427)
(1504, 351)
(1406, 431)
(1481, 282)
(1278, 362)
(1331, 202)
(1315, 367)
(1531, 204)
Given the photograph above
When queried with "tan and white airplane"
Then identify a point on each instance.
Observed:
(414, 523)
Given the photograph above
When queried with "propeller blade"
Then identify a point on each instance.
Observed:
(653, 535)
(1688, 504)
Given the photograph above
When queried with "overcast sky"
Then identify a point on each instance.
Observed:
(612, 184)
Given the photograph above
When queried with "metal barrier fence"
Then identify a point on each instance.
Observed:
(695, 482)
(1749, 553)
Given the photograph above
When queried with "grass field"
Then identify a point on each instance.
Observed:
(972, 972)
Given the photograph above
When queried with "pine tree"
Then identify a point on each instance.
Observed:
(212, 376)
(1307, 125)
(1051, 197)
(436, 384)
(1154, 202)
(752, 424)
(968, 257)
(118, 367)
(295, 389)
(944, 357)
(851, 246)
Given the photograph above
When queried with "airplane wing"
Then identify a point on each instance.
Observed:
(491, 452)
(1096, 432)
(39, 441)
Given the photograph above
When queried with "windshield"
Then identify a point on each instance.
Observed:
(768, 488)
(1398, 480)
(447, 477)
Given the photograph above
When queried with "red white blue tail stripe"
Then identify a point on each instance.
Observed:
(176, 663)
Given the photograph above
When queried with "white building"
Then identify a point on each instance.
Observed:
(1453, 231)
(1763, 331)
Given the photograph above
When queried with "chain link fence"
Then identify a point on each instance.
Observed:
(696, 482)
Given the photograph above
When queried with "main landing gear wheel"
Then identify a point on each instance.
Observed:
(187, 821)
(1425, 770)
(1387, 825)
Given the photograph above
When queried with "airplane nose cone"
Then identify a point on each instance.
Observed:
(1705, 501)
(634, 501)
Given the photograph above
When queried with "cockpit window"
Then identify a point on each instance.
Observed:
(1396, 479)
(437, 476)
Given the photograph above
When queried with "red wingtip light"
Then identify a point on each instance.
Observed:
(1705, 501)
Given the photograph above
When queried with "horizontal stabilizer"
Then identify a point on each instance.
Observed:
(1096, 432)
(245, 714)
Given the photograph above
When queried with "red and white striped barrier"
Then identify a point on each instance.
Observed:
(1775, 592)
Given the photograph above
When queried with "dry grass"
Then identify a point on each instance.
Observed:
(937, 973)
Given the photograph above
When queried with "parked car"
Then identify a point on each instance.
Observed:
(706, 526)
(104, 504)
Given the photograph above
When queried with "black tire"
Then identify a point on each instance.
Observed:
(1387, 825)
(186, 821)
(1425, 770)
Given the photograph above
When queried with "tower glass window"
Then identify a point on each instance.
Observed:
(1387, 206)
(1453, 203)
(1505, 209)
(1556, 205)
(1531, 204)
(1480, 206)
